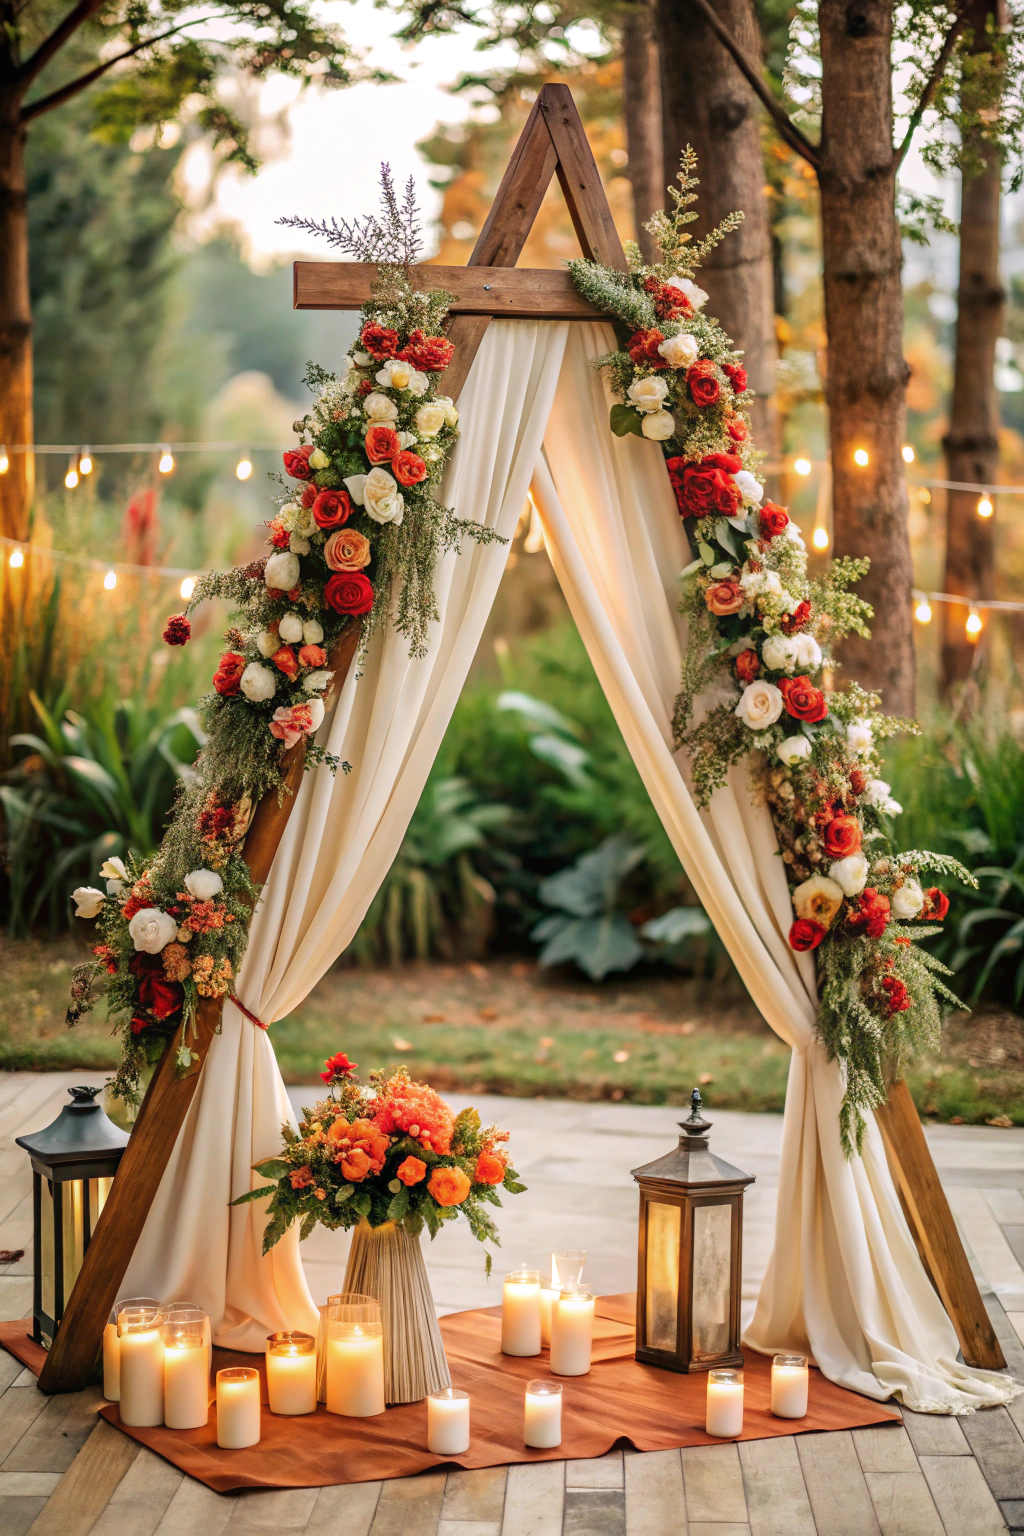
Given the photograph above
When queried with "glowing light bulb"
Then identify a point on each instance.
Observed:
(923, 611)
(861, 457)
(908, 454)
(243, 469)
(985, 507)
(166, 464)
(187, 587)
(802, 466)
(5, 462)
(85, 463)
(17, 559)
(110, 581)
(819, 538)
(71, 479)
(973, 625)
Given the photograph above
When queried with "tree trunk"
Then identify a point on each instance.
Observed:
(972, 443)
(16, 486)
(707, 103)
(867, 374)
(641, 99)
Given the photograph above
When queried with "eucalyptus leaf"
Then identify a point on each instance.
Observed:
(707, 554)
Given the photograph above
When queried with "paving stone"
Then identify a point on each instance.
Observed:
(409, 1506)
(884, 1450)
(55, 1436)
(596, 1472)
(469, 1528)
(902, 1503)
(777, 1501)
(703, 1528)
(18, 1515)
(594, 1512)
(140, 1500)
(286, 1511)
(534, 1499)
(88, 1485)
(935, 1434)
(835, 1485)
(713, 1484)
(654, 1494)
(962, 1496)
(348, 1509)
(20, 1485)
(196, 1510)
(1012, 1511)
(474, 1495)
(993, 1437)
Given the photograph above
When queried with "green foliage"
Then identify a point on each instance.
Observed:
(590, 926)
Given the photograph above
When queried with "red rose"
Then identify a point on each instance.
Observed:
(774, 520)
(296, 462)
(858, 780)
(702, 379)
(178, 631)
(898, 999)
(162, 997)
(408, 468)
(936, 904)
(670, 303)
(349, 592)
(309, 495)
(748, 665)
(138, 1025)
(432, 354)
(284, 660)
(736, 375)
(842, 836)
(871, 912)
(380, 342)
(803, 700)
(707, 488)
(312, 656)
(805, 934)
(228, 675)
(643, 348)
(737, 429)
(797, 619)
(365, 388)
(338, 1065)
(724, 597)
(332, 508)
(730, 462)
(381, 444)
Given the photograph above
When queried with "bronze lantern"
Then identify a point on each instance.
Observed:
(690, 1254)
(73, 1163)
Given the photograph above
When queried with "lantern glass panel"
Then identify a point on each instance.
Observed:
(662, 1288)
(712, 1280)
(71, 1194)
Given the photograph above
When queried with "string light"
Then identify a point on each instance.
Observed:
(187, 587)
(110, 581)
(17, 559)
(985, 507)
(908, 454)
(973, 625)
(802, 466)
(923, 611)
(85, 463)
(166, 465)
(819, 538)
(861, 457)
(243, 469)
(71, 478)
(5, 462)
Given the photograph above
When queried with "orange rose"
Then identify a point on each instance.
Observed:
(449, 1186)
(412, 1171)
(347, 550)
(489, 1169)
(725, 597)
(381, 444)
(355, 1164)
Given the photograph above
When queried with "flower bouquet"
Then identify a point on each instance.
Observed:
(388, 1160)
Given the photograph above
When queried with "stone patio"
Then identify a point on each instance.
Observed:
(62, 1473)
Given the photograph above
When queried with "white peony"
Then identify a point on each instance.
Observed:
(258, 683)
(877, 792)
(87, 900)
(779, 653)
(860, 739)
(312, 632)
(282, 572)
(697, 297)
(907, 901)
(750, 487)
(267, 643)
(648, 394)
(659, 426)
(679, 351)
(808, 651)
(151, 929)
(751, 582)
(760, 705)
(793, 750)
(818, 898)
(851, 873)
(380, 408)
(382, 498)
(451, 414)
(316, 710)
(290, 628)
(354, 484)
(204, 884)
(361, 359)
(318, 459)
(298, 545)
(113, 869)
(317, 681)
(430, 418)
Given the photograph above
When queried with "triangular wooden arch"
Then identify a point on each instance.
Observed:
(553, 142)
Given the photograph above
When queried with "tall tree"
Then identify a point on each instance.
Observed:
(642, 115)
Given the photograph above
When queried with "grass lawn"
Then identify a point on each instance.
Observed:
(507, 1027)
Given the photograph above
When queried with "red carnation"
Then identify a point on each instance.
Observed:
(737, 429)
(842, 837)
(871, 912)
(803, 700)
(670, 303)
(936, 904)
(805, 934)
(332, 508)
(178, 631)
(748, 665)
(284, 660)
(798, 619)
(898, 999)
(379, 341)
(381, 444)
(774, 520)
(736, 375)
(430, 353)
(643, 348)
(228, 675)
(279, 535)
(365, 388)
(349, 592)
(702, 379)
(296, 462)
(338, 1065)
(408, 468)
(309, 495)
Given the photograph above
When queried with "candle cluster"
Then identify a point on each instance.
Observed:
(156, 1363)
(558, 1317)
(790, 1377)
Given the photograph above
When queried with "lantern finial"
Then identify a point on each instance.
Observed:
(695, 1127)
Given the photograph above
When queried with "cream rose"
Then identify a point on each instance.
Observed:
(113, 869)
(282, 571)
(877, 792)
(819, 899)
(860, 738)
(88, 900)
(258, 683)
(318, 459)
(679, 351)
(267, 643)
(851, 873)
(204, 884)
(316, 682)
(312, 632)
(648, 394)
(398, 375)
(793, 750)
(451, 415)
(659, 426)
(355, 485)
(298, 544)
(290, 628)
(907, 901)
(380, 408)
(316, 714)
(152, 929)
(430, 418)
(697, 297)
(382, 498)
(760, 705)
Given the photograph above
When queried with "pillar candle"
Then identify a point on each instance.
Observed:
(789, 1386)
(355, 1371)
(548, 1297)
(141, 1352)
(448, 1422)
(111, 1362)
(542, 1427)
(572, 1330)
(186, 1380)
(238, 1408)
(520, 1313)
(188, 1312)
(291, 1373)
(725, 1404)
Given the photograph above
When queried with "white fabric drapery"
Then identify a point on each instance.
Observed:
(845, 1282)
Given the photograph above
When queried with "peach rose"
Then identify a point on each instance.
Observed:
(489, 1169)
(449, 1186)
(347, 550)
(355, 1164)
(725, 597)
(412, 1171)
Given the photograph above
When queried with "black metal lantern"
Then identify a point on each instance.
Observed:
(690, 1255)
(73, 1163)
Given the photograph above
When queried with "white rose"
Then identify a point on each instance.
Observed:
(268, 643)
(318, 459)
(152, 929)
(258, 683)
(907, 901)
(793, 750)
(892, 807)
(851, 873)
(659, 426)
(361, 359)
(395, 374)
(418, 384)
(282, 572)
(679, 351)
(750, 487)
(819, 899)
(204, 884)
(877, 792)
(430, 418)
(648, 394)
(354, 484)
(298, 545)
(697, 297)
(312, 632)
(407, 439)
(380, 408)
(860, 738)
(451, 415)
(779, 653)
(316, 710)
(317, 681)
(382, 498)
(290, 628)
(113, 869)
(760, 705)
(808, 651)
(87, 900)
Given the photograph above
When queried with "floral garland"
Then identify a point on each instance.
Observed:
(392, 1152)
(757, 673)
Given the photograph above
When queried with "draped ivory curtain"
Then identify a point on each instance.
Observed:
(845, 1282)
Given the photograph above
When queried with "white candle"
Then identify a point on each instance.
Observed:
(186, 1380)
(542, 1425)
(725, 1404)
(188, 1312)
(572, 1331)
(789, 1386)
(291, 1373)
(238, 1408)
(355, 1370)
(141, 1368)
(520, 1313)
(111, 1364)
(548, 1297)
(447, 1422)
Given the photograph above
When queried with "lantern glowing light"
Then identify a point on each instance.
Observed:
(243, 469)
(908, 454)
(802, 466)
(5, 462)
(71, 478)
(85, 463)
(187, 587)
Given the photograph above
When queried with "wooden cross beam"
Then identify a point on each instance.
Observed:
(553, 143)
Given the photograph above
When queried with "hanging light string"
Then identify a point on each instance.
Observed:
(81, 461)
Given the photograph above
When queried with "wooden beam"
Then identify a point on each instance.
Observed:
(510, 293)
(580, 178)
(931, 1222)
